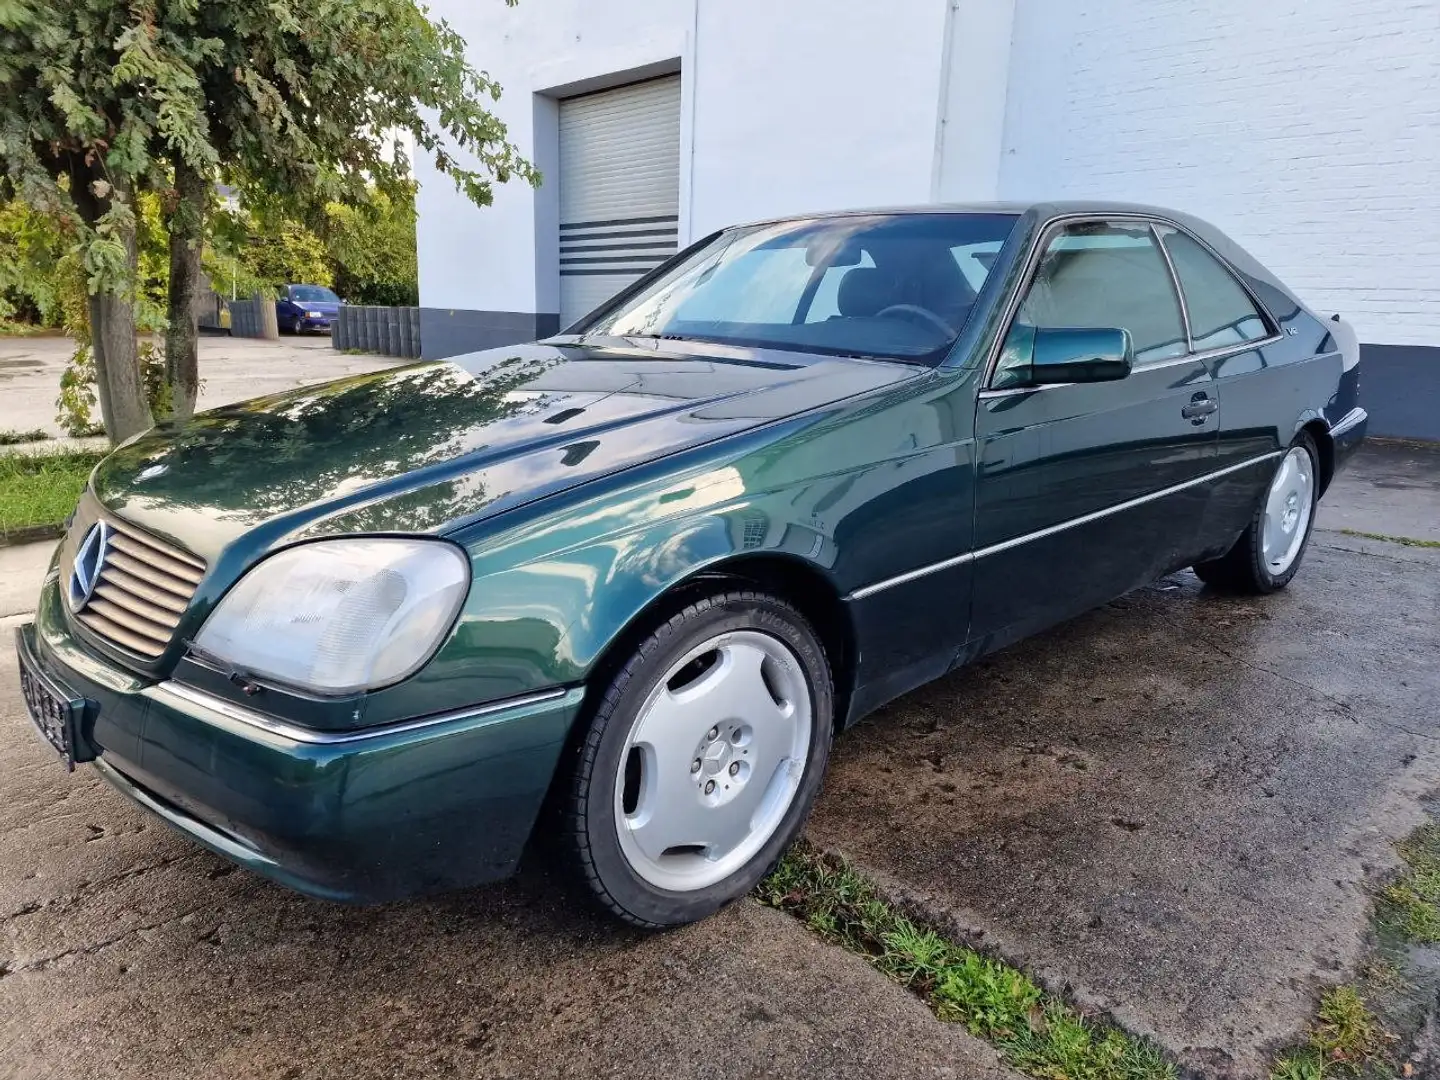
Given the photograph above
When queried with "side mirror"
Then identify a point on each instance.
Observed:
(1080, 355)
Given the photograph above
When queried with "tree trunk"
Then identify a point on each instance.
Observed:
(182, 339)
(119, 386)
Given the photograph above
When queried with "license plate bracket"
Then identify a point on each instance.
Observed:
(57, 712)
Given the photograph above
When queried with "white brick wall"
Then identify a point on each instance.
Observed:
(1309, 131)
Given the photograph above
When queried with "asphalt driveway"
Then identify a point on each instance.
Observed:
(1171, 806)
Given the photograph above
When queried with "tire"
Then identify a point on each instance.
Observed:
(297, 327)
(1247, 567)
(683, 754)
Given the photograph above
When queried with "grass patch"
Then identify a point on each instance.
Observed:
(10, 437)
(1346, 1039)
(1035, 1032)
(41, 489)
(1407, 541)
(1411, 905)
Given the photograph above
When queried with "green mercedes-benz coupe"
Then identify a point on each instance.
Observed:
(624, 585)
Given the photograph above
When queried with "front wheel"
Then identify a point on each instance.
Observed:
(298, 326)
(702, 759)
(1269, 551)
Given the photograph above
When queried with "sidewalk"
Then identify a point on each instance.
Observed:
(21, 569)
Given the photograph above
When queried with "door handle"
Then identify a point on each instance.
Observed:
(1200, 406)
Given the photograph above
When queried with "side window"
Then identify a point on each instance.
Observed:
(1221, 312)
(1101, 274)
(826, 302)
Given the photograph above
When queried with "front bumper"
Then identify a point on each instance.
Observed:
(379, 814)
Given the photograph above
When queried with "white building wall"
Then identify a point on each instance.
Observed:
(1309, 131)
(813, 105)
(487, 259)
(786, 106)
(975, 85)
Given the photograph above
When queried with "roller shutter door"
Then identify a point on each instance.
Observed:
(619, 189)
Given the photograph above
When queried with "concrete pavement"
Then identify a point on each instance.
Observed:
(231, 369)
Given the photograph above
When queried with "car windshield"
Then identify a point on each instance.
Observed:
(899, 286)
(313, 294)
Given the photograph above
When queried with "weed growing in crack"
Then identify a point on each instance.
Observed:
(1034, 1032)
(1406, 541)
(1346, 1039)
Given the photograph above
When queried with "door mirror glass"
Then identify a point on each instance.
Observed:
(1053, 355)
(1090, 354)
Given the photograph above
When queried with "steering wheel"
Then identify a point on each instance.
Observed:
(924, 313)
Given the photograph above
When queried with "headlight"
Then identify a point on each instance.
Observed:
(340, 616)
(314, 314)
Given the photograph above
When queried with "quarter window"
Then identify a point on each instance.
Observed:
(1101, 274)
(1221, 312)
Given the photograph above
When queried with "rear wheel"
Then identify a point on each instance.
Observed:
(1269, 551)
(702, 760)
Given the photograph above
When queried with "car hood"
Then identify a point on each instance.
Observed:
(429, 446)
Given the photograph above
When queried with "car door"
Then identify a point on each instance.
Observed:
(1239, 341)
(1087, 490)
(285, 307)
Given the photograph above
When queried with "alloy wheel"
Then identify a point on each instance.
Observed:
(1288, 506)
(713, 760)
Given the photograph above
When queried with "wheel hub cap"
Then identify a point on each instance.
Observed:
(1288, 507)
(713, 761)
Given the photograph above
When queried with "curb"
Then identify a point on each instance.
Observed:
(31, 534)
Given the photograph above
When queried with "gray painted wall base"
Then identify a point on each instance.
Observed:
(1400, 388)
(1399, 384)
(452, 331)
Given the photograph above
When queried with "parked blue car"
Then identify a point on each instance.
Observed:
(306, 307)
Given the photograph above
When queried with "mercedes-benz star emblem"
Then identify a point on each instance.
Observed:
(89, 561)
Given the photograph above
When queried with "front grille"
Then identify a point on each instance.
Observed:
(144, 587)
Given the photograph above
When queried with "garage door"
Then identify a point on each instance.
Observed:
(619, 189)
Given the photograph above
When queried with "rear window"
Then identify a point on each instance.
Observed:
(1221, 311)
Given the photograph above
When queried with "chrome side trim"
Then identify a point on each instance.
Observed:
(1014, 542)
(1230, 350)
(1351, 419)
(188, 695)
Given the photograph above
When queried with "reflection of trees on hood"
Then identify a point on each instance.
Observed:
(278, 453)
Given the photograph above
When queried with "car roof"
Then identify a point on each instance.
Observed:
(1044, 208)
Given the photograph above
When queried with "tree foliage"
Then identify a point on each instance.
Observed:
(294, 104)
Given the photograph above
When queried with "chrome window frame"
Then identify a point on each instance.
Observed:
(1032, 265)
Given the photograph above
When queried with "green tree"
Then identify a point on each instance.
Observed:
(100, 99)
(372, 249)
